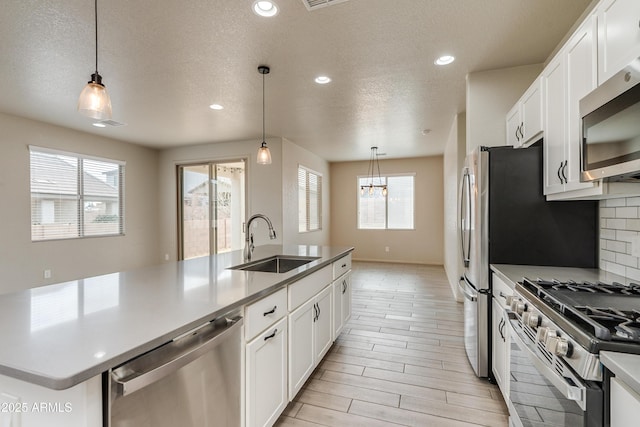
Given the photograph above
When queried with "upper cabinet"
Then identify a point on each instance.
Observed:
(524, 121)
(569, 76)
(605, 42)
(618, 36)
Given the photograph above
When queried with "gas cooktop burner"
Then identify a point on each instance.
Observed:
(607, 312)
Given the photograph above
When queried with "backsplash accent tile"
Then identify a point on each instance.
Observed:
(619, 223)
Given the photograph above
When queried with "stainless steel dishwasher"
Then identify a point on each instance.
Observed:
(192, 381)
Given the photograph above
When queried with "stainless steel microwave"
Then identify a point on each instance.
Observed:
(610, 132)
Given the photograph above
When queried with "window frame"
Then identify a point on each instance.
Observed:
(307, 172)
(80, 194)
(385, 179)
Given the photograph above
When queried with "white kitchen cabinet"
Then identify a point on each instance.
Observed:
(524, 120)
(569, 77)
(341, 303)
(266, 378)
(310, 337)
(501, 341)
(625, 404)
(618, 36)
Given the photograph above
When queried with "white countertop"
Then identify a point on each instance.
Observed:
(60, 335)
(515, 273)
(626, 367)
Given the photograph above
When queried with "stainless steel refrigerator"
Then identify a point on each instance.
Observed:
(505, 219)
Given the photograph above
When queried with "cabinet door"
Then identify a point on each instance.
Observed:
(618, 36)
(346, 298)
(554, 87)
(338, 323)
(266, 379)
(581, 64)
(625, 404)
(531, 113)
(498, 344)
(513, 126)
(323, 324)
(301, 331)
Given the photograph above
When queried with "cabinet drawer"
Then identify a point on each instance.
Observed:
(501, 290)
(262, 314)
(307, 287)
(341, 266)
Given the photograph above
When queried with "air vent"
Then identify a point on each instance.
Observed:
(111, 123)
(317, 4)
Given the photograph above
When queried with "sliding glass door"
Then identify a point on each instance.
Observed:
(212, 208)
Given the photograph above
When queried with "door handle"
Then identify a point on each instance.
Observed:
(466, 294)
(564, 168)
(465, 191)
(559, 176)
(271, 336)
(315, 313)
(344, 286)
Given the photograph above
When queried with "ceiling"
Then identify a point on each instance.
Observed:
(165, 61)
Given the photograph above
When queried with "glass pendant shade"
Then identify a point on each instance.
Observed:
(264, 155)
(94, 101)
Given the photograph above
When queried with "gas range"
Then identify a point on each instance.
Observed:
(572, 322)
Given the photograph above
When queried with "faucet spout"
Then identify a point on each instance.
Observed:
(248, 246)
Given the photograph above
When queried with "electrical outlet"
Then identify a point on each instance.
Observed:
(166, 257)
(386, 248)
(47, 274)
(635, 246)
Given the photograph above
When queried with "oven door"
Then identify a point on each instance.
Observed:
(540, 396)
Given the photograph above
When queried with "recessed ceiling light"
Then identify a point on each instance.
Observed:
(265, 8)
(323, 80)
(99, 125)
(444, 60)
(216, 107)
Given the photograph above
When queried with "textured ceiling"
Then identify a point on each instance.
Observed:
(165, 61)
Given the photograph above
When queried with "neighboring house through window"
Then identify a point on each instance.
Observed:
(75, 196)
(394, 211)
(309, 200)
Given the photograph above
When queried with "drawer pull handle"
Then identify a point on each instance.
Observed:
(344, 265)
(273, 310)
(271, 336)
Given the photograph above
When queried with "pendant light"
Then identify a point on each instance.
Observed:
(373, 163)
(264, 155)
(94, 100)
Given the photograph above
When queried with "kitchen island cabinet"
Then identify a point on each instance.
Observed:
(58, 340)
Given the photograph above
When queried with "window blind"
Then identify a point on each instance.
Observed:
(75, 196)
(309, 200)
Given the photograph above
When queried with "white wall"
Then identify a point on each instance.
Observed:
(490, 96)
(22, 261)
(292, 156)
(454, 154)
(423, 245)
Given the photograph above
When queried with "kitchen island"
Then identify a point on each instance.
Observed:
(64, 336)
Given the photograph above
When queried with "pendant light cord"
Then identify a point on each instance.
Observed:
(96, 19)
(263, 108)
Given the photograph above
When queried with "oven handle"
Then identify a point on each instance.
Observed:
(576, 393)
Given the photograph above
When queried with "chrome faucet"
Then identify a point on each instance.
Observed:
(248, 245)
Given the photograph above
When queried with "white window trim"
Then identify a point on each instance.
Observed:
(386, 204)
(80, 156)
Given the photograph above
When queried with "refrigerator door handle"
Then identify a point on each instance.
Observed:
(463, 289)
(465, 212)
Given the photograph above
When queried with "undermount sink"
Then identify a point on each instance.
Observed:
(275, 264)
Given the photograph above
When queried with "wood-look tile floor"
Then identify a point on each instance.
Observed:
(399, 361)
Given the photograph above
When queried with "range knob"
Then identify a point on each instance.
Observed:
(509, 300)
(544, 333)
(518, 307)
(559, 346)
(533, 320)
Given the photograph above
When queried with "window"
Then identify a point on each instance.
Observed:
(74, 195)
(309, 200)
(393, 211)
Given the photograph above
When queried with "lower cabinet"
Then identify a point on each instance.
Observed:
(310, 337)
(266, 379)
(341, 304)
(625, 404)
(500, 347)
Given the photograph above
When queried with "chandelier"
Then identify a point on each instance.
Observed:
(373, 165)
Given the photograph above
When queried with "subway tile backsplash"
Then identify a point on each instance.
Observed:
(619, 224)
